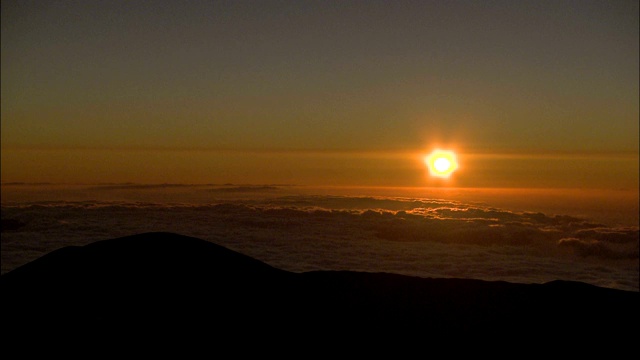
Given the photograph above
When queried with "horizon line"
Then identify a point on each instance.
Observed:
(125, 184)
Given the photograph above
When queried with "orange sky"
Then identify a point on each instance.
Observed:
(530, 94)
(597, 171)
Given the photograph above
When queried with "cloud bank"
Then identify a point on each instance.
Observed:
(429, 238)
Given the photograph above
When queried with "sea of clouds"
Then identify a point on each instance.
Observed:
(304, 232)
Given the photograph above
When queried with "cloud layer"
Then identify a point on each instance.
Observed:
(429, 238)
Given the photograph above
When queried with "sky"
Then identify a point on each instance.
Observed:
(529, 94)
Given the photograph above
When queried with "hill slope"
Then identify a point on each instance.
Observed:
(166, 282)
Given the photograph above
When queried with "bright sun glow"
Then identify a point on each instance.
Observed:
(441, 163)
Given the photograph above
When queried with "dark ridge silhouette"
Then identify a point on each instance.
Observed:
(245, 189)
(11, 225)
(172, 283)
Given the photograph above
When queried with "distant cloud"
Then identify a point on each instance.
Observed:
(244, 189)
(612, 243)
(131, 186)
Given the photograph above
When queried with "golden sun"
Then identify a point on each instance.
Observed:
(441, 163)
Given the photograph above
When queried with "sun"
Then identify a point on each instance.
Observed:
(441, 163)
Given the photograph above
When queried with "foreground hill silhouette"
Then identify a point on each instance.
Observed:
(170, 282)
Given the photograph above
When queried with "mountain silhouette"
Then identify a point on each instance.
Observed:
(170, 282)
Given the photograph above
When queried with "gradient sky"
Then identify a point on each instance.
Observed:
(530, 93)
